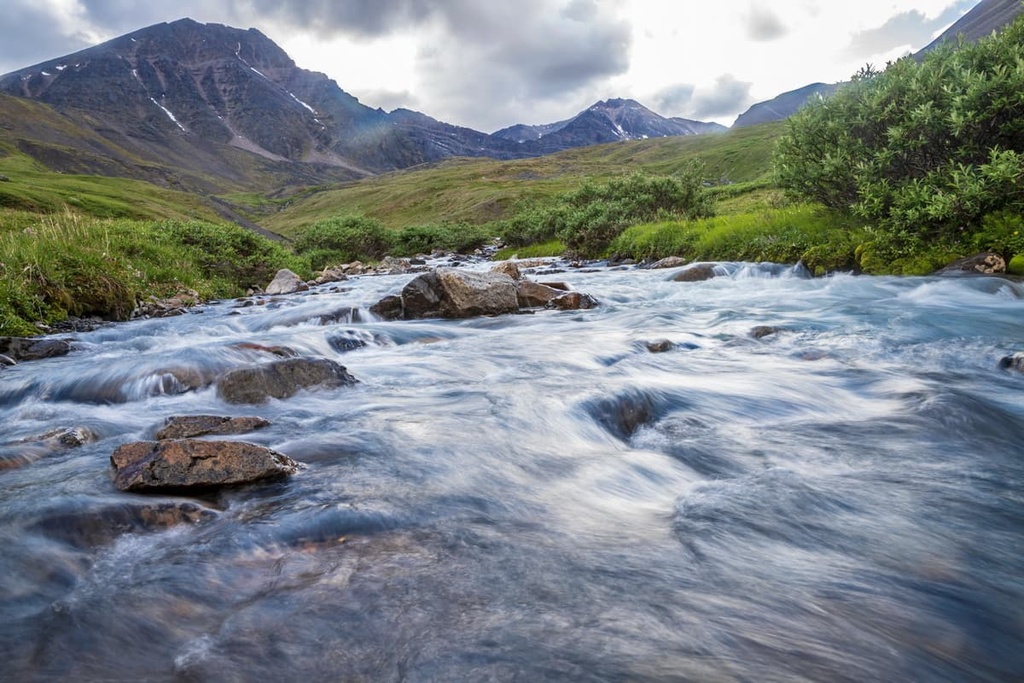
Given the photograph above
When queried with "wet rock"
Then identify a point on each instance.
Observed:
(347, 314)
(67, 437)
(1013, 362)
(668, 262)
(280, 351)
(332, 274)
(166, 308)
(193, 464)
(350, 340)
(508, 268)
(762, 331)
(561, 286)
(572, 301)
(622, 415)
(281, 379)
(986, 263)
(391, 265)
(95, 527)
(533, 294)
(53, 442)
(286, 282)
(388, 308)
(450, 293)
(696, 273)
(659, 346)
(7, 360)
(20, 349)
(189, 426)
(174, 381)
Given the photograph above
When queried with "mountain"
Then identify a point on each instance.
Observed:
(209, 108)
(984, 18)
(606, 121)
(783, 106)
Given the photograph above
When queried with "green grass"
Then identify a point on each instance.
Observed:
(66, 264)
(552, 248)
(824, 241)
(478, 191)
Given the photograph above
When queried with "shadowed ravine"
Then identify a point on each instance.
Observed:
(539, 497)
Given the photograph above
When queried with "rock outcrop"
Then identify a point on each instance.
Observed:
(19, 349)
(985, 263)
(192, 464)
(281, 379)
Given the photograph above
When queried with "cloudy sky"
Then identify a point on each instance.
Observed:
(487, 64)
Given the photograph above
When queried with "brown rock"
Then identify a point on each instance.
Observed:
(508, 268)
(332, 274)
(533, 294)
(286, 282)
(21, 349)
(281, 351)
(188, 426)
(187, 463)
(451, 293)
(93, 527)
(572, 301)
(697, 273)
(669, 262)
(985, 263)
(660, 346)
(762, 331)
(388, 308)
(562, 286)
(281, 379)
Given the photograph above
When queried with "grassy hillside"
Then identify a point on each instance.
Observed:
(481, 190)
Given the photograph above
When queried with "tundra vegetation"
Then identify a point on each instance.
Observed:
(899, 172)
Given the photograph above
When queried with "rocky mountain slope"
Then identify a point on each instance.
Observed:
(210, 107)
(783, 106)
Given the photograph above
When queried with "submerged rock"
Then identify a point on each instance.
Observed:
(187, 463)
(762, 331)
(280, 351)
(1013, 362)
(281, 379)
(660, 346)
(286, 282)
(93, 527)
(188, 426)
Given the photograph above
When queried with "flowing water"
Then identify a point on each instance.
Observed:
(540, 497)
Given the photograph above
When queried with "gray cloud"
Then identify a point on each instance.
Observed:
(674, 100)
(907, 28)
(729, 96)
(28, 36)
(764, 25)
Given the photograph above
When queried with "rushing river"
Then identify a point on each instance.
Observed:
(541, 498)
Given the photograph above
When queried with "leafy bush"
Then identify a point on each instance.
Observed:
(588, 219)
(926, 148)
(423, 239)
(344, 239)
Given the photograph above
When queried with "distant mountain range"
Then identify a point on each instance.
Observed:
(179, 94)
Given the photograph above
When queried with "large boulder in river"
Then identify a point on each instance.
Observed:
(572, 301)
(187, 463)
(281, 379)
(451, 293)
(286, 282)
(985, 263)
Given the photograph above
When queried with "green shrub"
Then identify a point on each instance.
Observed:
(1016, 265)
(928, 148)
(347, 238)
(423, 239)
